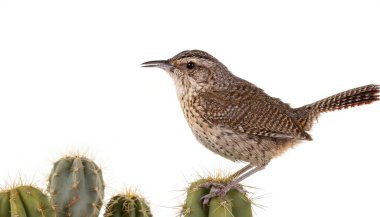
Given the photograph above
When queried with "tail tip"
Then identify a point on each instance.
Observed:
(307, 137)
(377, 91)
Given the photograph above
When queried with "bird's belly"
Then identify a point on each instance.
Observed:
(235, 146)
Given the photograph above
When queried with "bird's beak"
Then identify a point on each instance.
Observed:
(162, 64)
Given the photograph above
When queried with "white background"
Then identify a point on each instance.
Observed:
(70, 80)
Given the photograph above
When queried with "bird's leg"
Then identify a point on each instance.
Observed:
(241, 171)
(242, 177)
(217, 191)
(214, 186)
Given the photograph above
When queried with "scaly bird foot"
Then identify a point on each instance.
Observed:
(218, 190)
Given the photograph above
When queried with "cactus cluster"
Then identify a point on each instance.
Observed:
(25, 201)
(76, 187)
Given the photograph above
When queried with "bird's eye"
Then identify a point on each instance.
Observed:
(190, 65)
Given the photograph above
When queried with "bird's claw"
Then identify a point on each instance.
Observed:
(215, 191)
(218, 190)
(211, 185)
(205, 200)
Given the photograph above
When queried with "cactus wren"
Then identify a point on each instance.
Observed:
(238, 120)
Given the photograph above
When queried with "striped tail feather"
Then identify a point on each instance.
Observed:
(350, 98)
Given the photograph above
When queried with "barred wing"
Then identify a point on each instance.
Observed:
(249, 110)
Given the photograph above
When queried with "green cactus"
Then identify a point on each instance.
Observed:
(127, 205)
(234, 204)
(76, 187)
(25, 201)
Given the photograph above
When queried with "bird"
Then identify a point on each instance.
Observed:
(239, 121)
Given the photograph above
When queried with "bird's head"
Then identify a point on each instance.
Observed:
(191, 69)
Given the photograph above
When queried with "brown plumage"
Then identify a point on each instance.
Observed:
(350, 98)
(238, 120)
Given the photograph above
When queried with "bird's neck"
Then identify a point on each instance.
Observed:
(186, 87)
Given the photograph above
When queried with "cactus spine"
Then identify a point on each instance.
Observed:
(127, 205)
(76, 187)
(235, 204)
(25, 201)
